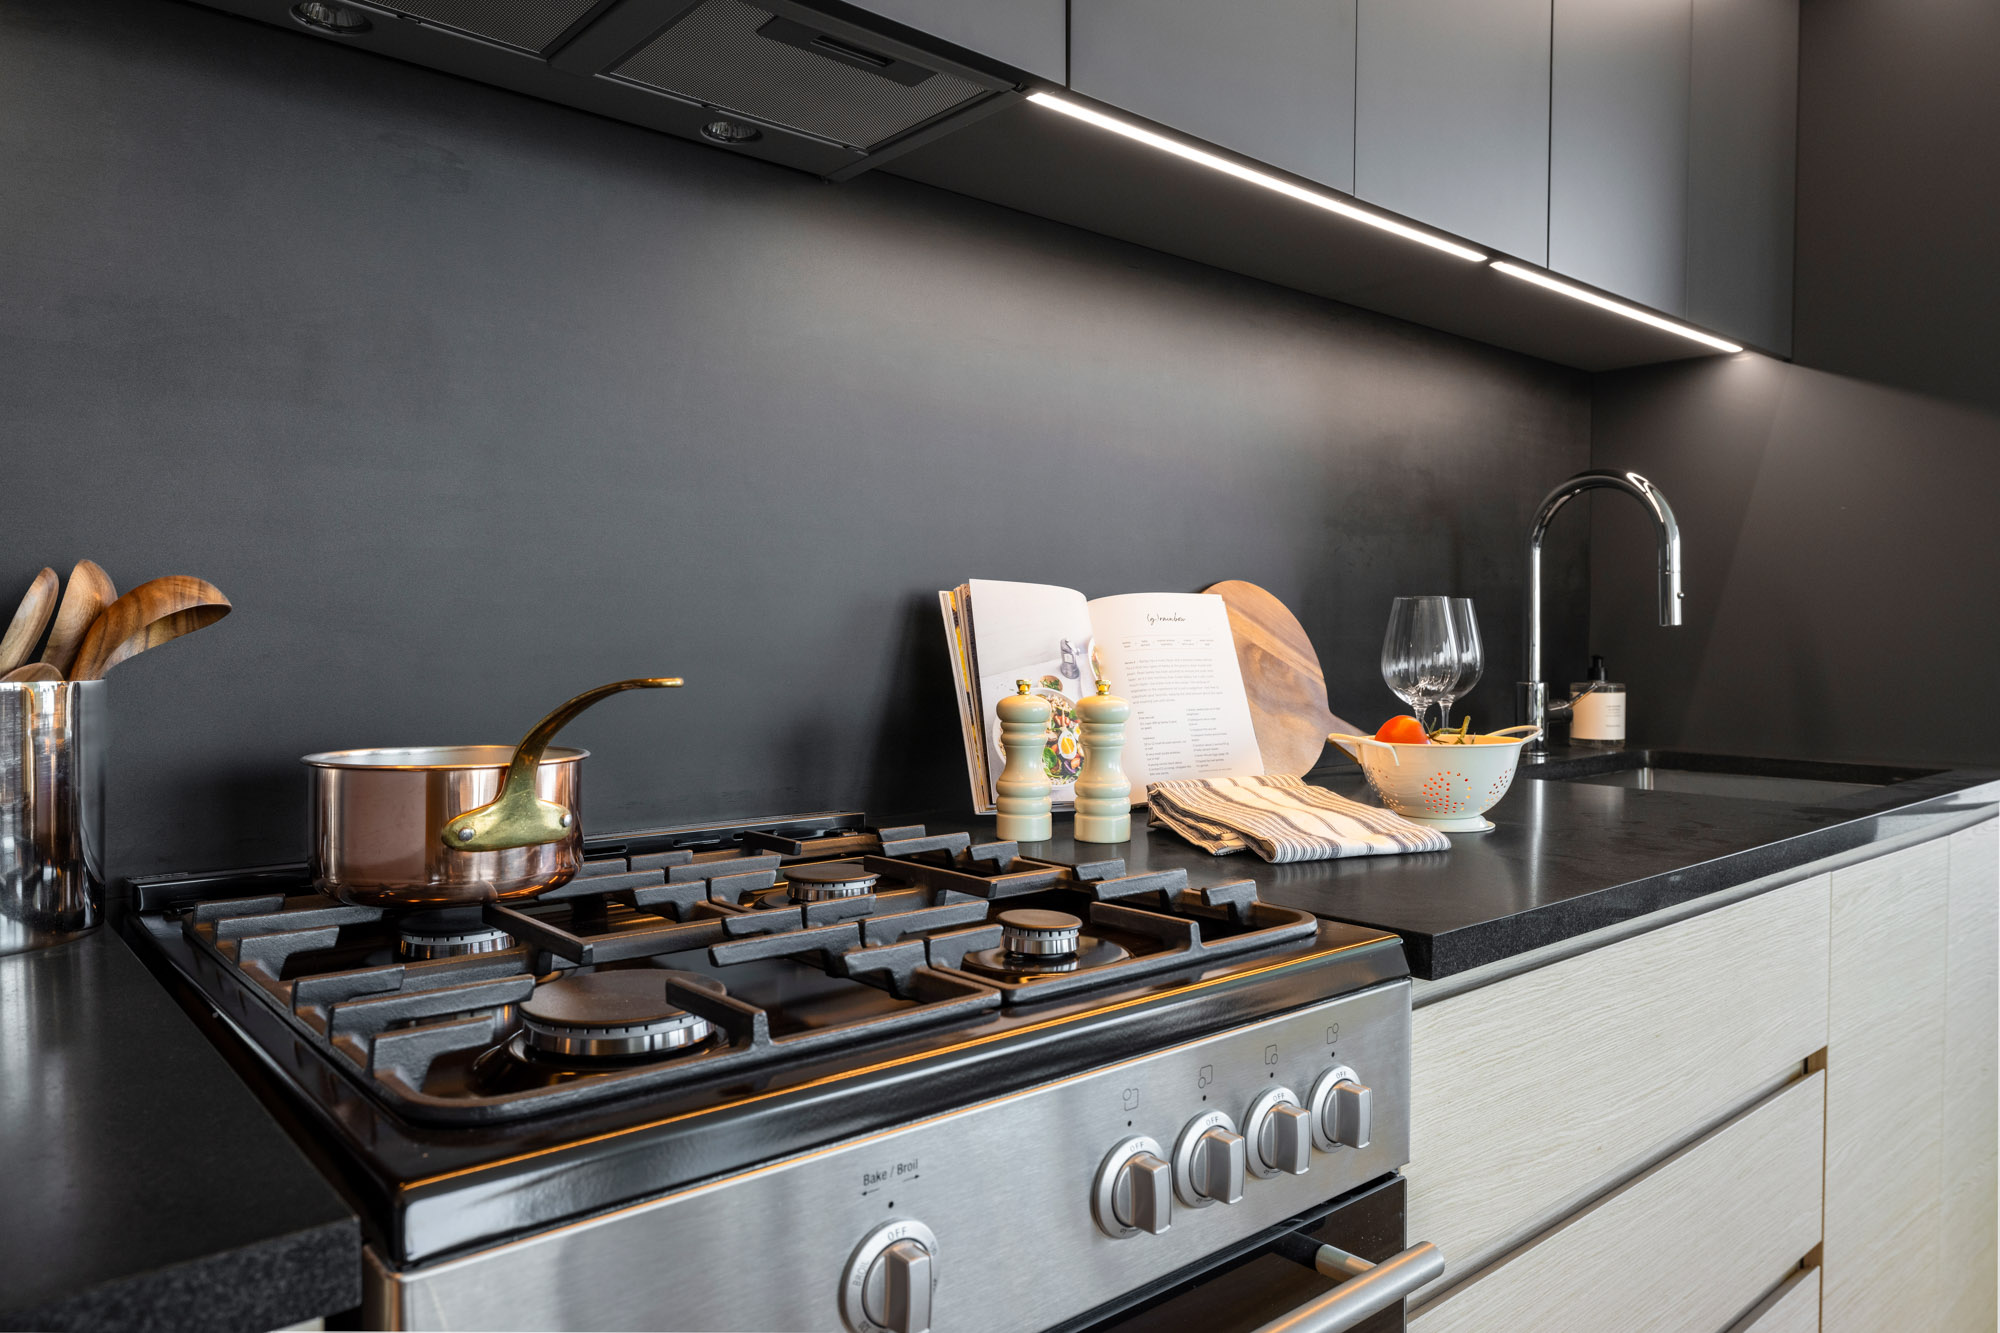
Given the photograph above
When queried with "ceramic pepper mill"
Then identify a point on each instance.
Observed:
(1024, 786)
(1103, 792)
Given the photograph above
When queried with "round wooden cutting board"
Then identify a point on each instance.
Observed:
(1281, 674)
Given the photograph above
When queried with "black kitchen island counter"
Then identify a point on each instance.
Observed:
(145, 1187)
(1564, 858)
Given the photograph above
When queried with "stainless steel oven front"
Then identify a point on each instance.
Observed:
(1339, 1268)
(1077, 1199)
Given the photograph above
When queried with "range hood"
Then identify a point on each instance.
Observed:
(799, 86)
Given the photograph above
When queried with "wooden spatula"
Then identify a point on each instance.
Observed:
(147, 617)
(30, 619)
(1282, 676)
(88, 593)
(34, 671)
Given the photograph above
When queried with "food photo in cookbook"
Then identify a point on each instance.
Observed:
(1170, 654)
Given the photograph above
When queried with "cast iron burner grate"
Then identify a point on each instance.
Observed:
(662, 968)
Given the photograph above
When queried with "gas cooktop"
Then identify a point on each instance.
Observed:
(671, 967)
(707, 999)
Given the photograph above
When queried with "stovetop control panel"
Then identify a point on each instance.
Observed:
(1013, 1214)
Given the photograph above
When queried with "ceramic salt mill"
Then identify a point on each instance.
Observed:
(1024, 785)
(1103, 792)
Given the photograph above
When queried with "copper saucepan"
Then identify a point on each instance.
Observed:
(453, 825)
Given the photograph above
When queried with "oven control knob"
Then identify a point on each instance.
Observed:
(1209, 1161)
(1280, 1134)
(1134, 1190)
(1341, 1106)
(890, 1279)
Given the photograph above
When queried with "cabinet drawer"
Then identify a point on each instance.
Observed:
(1792, 1308)
(1687, 1245)
(1532, 1094)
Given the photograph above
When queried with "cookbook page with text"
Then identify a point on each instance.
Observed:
(1172, 657)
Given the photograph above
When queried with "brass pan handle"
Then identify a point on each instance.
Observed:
(516, 817)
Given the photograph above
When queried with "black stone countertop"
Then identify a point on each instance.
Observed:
(1564, 858)
(142, 1186)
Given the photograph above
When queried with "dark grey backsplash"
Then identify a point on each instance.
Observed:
(1842, 545)
(471, 402)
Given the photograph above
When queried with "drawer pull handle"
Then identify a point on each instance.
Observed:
(1366, 1289)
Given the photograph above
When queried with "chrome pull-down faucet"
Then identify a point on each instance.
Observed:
(1533, 691)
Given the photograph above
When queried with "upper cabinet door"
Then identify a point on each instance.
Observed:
(1452, 117)
(1027, 34)
(1618, 147)
(1742, 165)
(1271, 79)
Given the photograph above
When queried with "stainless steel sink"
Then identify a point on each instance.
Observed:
(1789, 781)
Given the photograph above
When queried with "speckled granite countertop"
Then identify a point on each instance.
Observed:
(1566, 858)
(142, 1186)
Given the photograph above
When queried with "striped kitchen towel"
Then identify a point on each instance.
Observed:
(1283, 819)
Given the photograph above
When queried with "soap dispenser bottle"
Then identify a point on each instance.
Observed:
(1597, 711)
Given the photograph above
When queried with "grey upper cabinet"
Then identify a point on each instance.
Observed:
(1742, 157)
(1452, 117)
(1027, 34)
(1271, 79)
(1618, 147)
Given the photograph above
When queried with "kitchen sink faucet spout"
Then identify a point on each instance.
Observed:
(1533, 691)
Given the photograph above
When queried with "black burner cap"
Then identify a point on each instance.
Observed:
(831, 872)
(443, 921)
(820, 880)
(610, 999)
(1034, 918)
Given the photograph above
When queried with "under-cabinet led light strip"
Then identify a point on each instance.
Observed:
(1615, 307)
(1278, 185)
(1243, 173)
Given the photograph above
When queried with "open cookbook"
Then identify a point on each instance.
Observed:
(1169, 654)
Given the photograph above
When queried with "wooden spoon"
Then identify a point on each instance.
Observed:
(1282, 676)
(32, 672)
(147, 617)
(29, 621)
(89, 592)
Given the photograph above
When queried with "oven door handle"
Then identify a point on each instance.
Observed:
(1368, 1288)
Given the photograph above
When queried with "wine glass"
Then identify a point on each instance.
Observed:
(1471, 660)
(1420, 653)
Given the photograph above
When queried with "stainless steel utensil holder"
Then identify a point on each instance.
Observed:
(52, 744)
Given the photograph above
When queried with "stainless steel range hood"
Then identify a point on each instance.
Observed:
(775, 80)
(778, 71)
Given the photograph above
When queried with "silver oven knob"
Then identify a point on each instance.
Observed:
(890, 1280)
(1342, 1107)
(1280, 1134)
(1209, 1161)
(1134, 1190)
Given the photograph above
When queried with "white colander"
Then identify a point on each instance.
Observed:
(1447, 785)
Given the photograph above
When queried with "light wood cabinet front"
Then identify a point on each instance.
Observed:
(1885, 1092)
(1687, 1245)
(1792, 1308)
(1970, 1139)
(1530, 1095)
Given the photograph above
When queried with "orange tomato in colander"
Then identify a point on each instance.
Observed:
(1403, 730)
